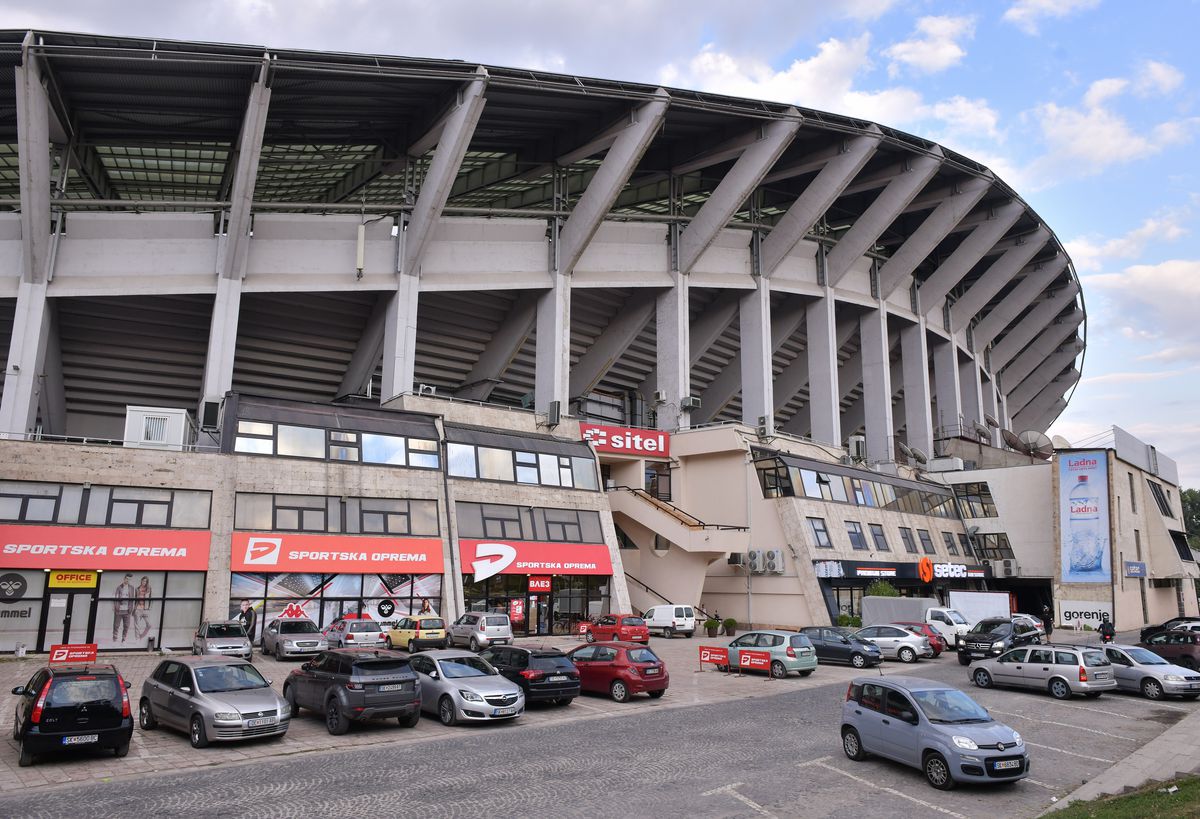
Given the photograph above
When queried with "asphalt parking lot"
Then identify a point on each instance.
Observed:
(1070, 742)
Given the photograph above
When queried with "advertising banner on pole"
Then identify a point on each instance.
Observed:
(718, 655)
(1083, 517)
(754, 660)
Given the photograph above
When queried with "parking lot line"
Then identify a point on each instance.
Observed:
(1040, 784)
(822, 764)
(1043, 721)
(1071, 753)
(1125, 716)
(730, 790)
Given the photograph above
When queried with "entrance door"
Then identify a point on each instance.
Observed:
(67, 615)
(538, 617)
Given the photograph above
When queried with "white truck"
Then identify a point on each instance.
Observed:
(946, 621)
(978, 605)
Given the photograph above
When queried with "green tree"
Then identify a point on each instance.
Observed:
(882, 588)
(1190, 498)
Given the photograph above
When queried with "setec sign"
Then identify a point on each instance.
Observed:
(626, 440)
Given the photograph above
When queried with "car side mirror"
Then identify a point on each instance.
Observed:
(306, 667)
(19, 690)
(846, 640)
(187, 689)
(127, 684)
(433, 675)
(909, 717)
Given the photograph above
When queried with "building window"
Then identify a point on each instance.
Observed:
(289, 441)
(906, 537)
(878, 536)
(300, 513)
(562, 525)
(343, 446)
(975, 500)
(926, 542)
(1161, 498)
(502, 521)
(965, 542)
(334, 515)
(993, 546)
(492, 520)
(951, 548)
(855, 531)
(126, 506)
(820, 533)
(1132, 494)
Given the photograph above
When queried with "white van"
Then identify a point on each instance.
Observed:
(671, 619)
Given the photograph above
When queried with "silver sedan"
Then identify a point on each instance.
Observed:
(293, 638)
(896, 642)
(460, 686)
(1137, 669)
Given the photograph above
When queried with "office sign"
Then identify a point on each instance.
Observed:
(1083, 517)
(60, 579)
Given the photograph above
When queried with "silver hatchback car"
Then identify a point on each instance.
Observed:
(460, 686)
(479, 629)
(1063, 670)
(896, 642)
(225, 637)
(293, 637)
(932, 727)
(1141, 670)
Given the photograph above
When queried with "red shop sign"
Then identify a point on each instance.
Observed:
(539, 584)
(626, 440)
(516, 610)
(73, 653)
(486, 558)
(291, 552)
(88, 547)
(714, 654)
(755, 660)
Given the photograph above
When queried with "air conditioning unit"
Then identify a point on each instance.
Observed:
(1008, 567)
(689, 402)
(758, 561)
(737, 559)
(660, 397)
(158, 428)
(858, 447)
(774, 561)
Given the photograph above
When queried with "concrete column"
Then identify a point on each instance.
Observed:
(400, 338)
(674, 358)
(946, 385)
(26, 358)
(222, 338)
(756, 353)
(914, 354)
(825, 417)
(991, 406)
(971, 386)
(33, 162)
(553, 348)
(877, 384)
(235, 245)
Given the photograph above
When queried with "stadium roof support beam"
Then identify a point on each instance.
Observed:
(1030, 287)
(703, 331)
(1036, 320)
(821, 364)
(612, 343)
(231, 258)
(506, 342)
(1043, 422)
(970, 385)
(756, 350)
(83, 157)
(1037, 413)
(367, 354)
(1033, 356)
(993, 280)
(925, 239)
(675, 351)
(1037, 380)
(54, 394)
(918, 415)
(735, 188)
(452, 135)
(624, 152)
(818, 197)
(868, 227)
(973, 248)
(785, 321)
(384, 159)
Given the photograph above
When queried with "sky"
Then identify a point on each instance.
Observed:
(1090, 109)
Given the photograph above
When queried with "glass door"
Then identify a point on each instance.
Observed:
(67, 616)
(538, 614)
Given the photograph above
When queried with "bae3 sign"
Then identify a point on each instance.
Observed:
(627, 441)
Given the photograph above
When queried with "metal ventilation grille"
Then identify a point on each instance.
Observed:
(154, 429)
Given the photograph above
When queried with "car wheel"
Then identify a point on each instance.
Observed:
(411, 720)
(121, 750)
(335, 721)
(26, 758)
(982, 678)
(197, 734)
(412, 647)
(858, 660)
(964, 659)
(806, 672)
(619, 691)
(668, 632)
(657, 695)
(591, 638)
(937, 772)
(289, 694)
(907, 655)
(387, 643)
(778, 669)
(563, 701)
(446, 711)
(852, 745)
(474, 644)
(1091, 695)
(1060, 690)
(146, 719)
(278, 653)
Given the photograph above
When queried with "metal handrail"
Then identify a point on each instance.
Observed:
(662, 596)
(686, 518)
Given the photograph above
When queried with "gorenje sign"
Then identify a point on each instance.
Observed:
(627, 441)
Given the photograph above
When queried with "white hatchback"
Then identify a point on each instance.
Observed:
(671, 619)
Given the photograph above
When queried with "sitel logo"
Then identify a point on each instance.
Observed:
(503, 555)
(263, 551)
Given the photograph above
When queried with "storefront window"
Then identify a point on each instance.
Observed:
(21, 605)
(133, 608)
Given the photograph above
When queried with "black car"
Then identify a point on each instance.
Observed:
(72, 706)
(544, 674)
(993, 636)
(357, 684)
(833, 646)
(1149, 631)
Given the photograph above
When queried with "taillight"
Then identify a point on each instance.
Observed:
(349, 638)
(353, 686)
(850, 692)
(124, 697)
(1082, 674)
(481, 625)
(40, 704)
(531, 674)
(791, 652)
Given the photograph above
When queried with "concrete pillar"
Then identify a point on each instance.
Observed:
(918, 420)
(971, 387)
(877, 384)
(825, 418)
(26, 359)
(674, 359)
(756, 353)
(553, 348)
(400, 338)
(946, 385)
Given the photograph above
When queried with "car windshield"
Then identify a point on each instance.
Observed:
(956, 618)
(1091, 659)
(456, 667)
(379, 668)
(989, 626)
(364, 625)
(642, 655)
(225, 630)
(632, 621)
(214, 679)
(1144, 657)
(947, 706)
(82, 690)
(298, 627)
(497, 621)
(430, 623)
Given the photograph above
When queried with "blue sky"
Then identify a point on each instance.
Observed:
(1089, 108)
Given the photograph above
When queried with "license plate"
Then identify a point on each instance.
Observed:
(1007, 764)
(651, 671)
(254, 723)
(977, 654)
(82, 739)
(504, 712)
(559, 678)
(393, 687)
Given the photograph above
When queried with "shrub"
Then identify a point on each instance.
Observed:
(843, 620)
(730, 623)
(881, 588)
(711, 623)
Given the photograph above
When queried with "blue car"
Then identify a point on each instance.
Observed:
(789, 650)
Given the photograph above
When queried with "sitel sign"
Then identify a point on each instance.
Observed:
(627, 441)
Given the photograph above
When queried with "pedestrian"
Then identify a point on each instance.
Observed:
(247, 617)
(123, 608)
(1048, 619)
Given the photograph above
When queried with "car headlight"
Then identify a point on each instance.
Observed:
(966, 743)
(1016, 737)
(285, 710)
(227, 715)
(1173, 678)
(998, 645)
(470, 696)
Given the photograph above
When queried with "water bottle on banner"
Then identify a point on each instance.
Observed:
(1085, 540)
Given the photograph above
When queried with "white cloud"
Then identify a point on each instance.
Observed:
(1157, 78)
(1027, 14)
(970, 118)
(1156, 303)
(1090, 254)
(1101, 91)
(934, 48)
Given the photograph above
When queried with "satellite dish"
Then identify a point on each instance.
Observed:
(1036, 444)
(1011, 439)
(904, 450)
(991, 421)
(982, 431)
(1060, 442)
(919, 455)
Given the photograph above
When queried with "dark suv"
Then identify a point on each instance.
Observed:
(993, 636)
(357, 684)
(1177, 646)
(72, 706)
(544, 674)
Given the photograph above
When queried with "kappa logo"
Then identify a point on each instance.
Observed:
(263, 551)
(502, 557)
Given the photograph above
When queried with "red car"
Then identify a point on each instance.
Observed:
(936, 641)
(620, 670)
(628, 627)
